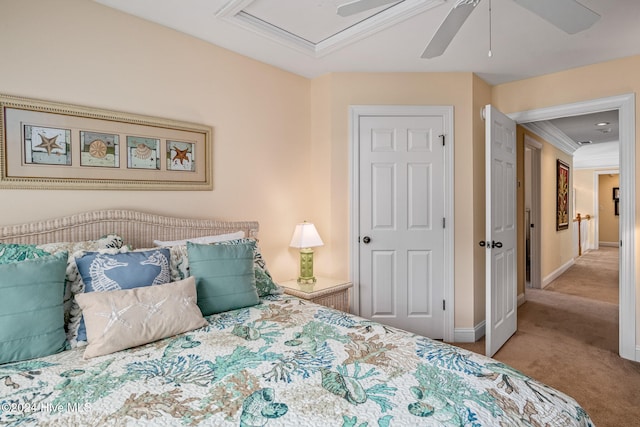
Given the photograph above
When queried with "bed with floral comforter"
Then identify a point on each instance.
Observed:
(283, 362)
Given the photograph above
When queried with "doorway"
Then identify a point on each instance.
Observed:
(532, 223)
(625, 105)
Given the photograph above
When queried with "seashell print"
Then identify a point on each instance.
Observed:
(142, 151)
(246, 332)
(348, 388)
(98, 149)
(355, 392)
(421, 409)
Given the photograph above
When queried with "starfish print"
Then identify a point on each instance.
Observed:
(152, 308)
(114, 316)
(187, 301)
(48, 143)
(181, 155)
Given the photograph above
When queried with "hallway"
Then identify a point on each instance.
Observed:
(594, 275)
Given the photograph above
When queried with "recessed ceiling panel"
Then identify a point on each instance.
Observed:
(314, 26)
(311, 20)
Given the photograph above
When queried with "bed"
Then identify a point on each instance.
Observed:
(278, 361)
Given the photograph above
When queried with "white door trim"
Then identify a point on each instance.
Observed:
(355, 112)
(625, 104)
(535, 247)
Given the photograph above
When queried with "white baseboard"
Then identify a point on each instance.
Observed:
(610, 244)
(521, 299)
(469, 334)
(555, 274)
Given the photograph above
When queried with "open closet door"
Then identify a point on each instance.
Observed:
(500, 240)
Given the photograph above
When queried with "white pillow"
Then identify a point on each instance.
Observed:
(117, 320)
(202, 240)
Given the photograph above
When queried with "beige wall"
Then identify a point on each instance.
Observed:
(557, 245)
(481, 97)
(580, 84)
(608, 221)
(79, 52)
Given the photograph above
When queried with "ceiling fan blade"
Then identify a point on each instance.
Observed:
(358, 6)
(449, 28)
(568, 15)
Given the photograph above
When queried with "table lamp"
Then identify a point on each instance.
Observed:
(305, 237)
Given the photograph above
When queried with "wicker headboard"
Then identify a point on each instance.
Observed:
(137, 229)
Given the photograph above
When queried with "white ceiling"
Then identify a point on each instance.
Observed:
(306, 37)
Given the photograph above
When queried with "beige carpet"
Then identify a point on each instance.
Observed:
(568, 338)
(594, 275)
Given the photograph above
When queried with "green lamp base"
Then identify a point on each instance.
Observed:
(306, 266)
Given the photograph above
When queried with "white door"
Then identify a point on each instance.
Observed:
(402, 184)
(501, 261)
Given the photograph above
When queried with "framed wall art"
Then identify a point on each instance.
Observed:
(562, 195)
(49, 145)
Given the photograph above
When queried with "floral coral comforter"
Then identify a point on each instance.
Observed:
(284, 362)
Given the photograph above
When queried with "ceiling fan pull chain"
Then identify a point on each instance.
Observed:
(490, 54)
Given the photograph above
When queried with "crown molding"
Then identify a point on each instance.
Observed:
(553, 135)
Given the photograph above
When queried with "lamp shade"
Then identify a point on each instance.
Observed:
(305, 236)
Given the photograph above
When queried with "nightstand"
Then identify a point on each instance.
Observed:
(331, 293)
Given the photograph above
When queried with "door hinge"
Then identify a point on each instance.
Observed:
(444, 305)
(442, 136)
(444, 222)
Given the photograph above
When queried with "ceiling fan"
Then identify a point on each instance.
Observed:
(568, 15)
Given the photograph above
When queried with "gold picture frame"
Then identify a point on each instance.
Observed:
(48, 145)
(562, 195)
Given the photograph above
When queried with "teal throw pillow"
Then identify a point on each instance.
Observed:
(264, 282)
(32, 320)
(224, 276)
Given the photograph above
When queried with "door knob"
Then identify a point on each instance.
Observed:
(366, 240)
(490, 245)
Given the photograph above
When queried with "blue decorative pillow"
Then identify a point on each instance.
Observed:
(102, 272)
(32, 317)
